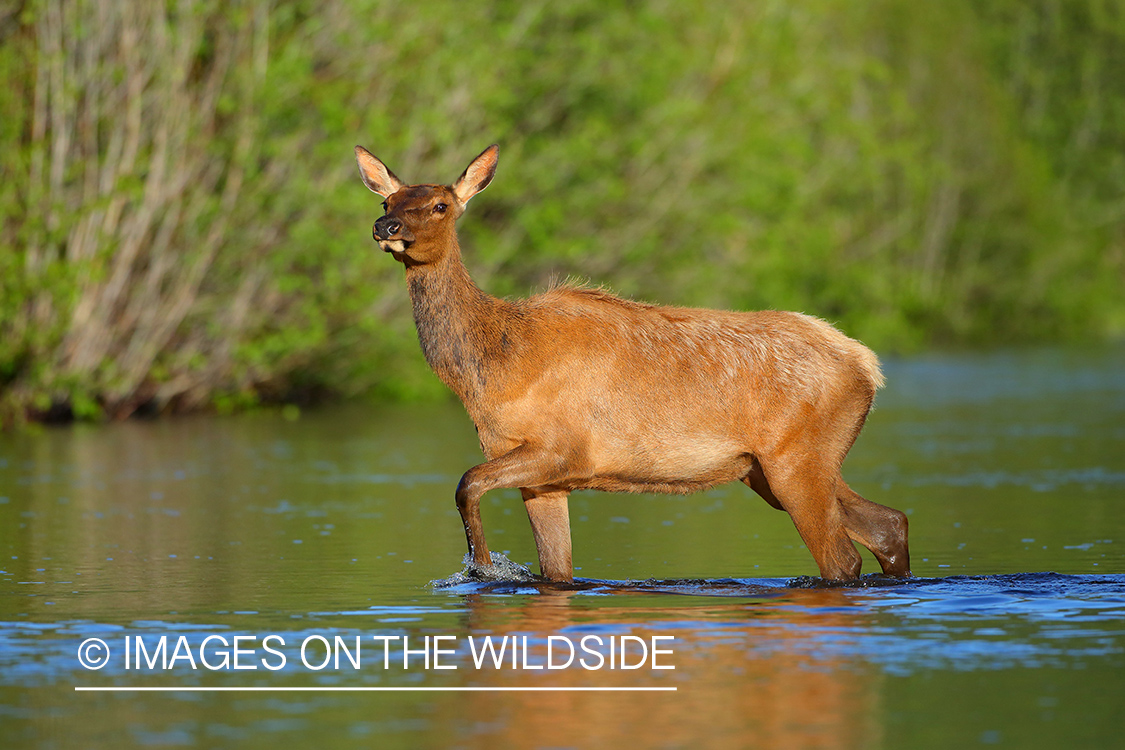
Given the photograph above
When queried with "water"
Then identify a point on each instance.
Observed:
(330, 528)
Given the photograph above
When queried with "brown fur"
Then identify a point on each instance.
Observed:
(576, 389)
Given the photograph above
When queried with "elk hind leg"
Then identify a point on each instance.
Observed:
(756, 480)
(808, 494)
(880, 529)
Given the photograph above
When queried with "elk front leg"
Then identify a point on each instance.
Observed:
(469, 507)
(523, 466)
(550, 524)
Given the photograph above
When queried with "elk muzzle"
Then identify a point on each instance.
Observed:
(391, 235)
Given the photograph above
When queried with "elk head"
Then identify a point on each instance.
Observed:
(417, 227)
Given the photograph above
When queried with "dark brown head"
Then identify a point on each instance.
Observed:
(417, 227)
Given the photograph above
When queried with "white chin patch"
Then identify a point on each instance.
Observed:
(392, 246)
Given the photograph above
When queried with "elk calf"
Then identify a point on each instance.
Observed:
(578, 389)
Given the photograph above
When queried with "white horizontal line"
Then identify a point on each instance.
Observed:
(370, 689)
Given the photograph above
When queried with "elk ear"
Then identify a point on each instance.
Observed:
(375, 174)
(477, 175)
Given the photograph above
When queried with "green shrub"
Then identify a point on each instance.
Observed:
(183, 226)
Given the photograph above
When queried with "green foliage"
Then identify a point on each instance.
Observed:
(185, 227)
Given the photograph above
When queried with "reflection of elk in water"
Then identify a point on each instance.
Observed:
(749, 672)
(577, 389)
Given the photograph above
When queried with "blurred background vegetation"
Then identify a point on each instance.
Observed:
(183, 225)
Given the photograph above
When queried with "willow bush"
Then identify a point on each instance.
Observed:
(183, 225)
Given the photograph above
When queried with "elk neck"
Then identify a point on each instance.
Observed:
(462, 329)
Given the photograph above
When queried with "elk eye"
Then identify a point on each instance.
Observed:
(440, 208)
(384, 205)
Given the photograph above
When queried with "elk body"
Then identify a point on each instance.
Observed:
(578, 389)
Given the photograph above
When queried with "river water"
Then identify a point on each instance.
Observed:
(288, 561)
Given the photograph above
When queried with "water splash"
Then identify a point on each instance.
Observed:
(871, 580)
(501, 570)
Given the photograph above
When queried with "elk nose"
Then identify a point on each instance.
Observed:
(385, 228)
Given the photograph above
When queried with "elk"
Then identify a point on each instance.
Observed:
(578, 389)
